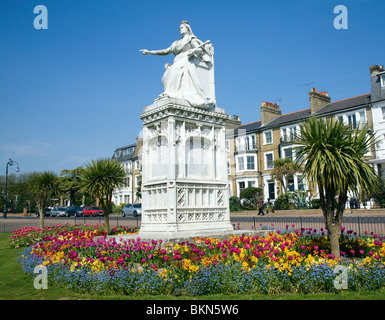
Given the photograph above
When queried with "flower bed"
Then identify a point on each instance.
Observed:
(282, 261)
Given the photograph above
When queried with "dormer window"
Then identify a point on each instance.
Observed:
(383, 81)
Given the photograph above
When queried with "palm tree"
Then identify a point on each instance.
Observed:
(283, 169)
(334, 158)
(44, 186)
(99, 179)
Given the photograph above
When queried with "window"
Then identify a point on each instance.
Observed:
(227, 144)
(246, 162)
(288, 153)
(352, 120)
(290, 184)
(127, 182)
(137, 181)
(362, 117)
(268, 137)
(241, 186)
(382, 81)
(269, 161)
(341, 119)
(251, 145)
(241, 164)
(240, 144)
(250, 163)
(301, 183)
(250, 184)
(228, 167)
(137, 165)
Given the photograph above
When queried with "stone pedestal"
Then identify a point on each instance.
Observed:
(184, 171)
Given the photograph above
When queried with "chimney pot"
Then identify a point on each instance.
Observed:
(318, 99)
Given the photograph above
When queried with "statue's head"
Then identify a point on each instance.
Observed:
(185, 28)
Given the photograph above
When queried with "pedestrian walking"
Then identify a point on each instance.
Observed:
(260, 207)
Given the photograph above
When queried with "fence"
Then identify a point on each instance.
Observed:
(357, 224)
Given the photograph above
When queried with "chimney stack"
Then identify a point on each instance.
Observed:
(377, 85)
(376, 69)
(318, 99)
(269, 112)
(233, 123)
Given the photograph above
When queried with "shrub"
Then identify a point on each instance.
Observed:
(249, 197)
(235, 204)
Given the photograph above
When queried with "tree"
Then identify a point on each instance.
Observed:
(334, 157)
(44, 186)
(99, 179)
(249, 197)
(71, 182)
(283, 169)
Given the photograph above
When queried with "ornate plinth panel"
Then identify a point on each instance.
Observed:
(184, 170)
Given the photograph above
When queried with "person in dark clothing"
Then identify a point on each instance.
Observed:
(260, 207)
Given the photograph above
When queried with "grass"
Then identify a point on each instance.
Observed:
(16, 285)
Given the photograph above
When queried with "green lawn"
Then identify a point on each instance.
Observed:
(16, 285)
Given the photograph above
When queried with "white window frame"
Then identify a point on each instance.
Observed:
(247, 162)
(383, 81)
(264, 137)
(244, 168)
(251, 143)
(284, 153)
(239, 163)
(272, 160)
(137, 181)
(353, 114)
(228, 168)
(137, 165)
(246, 182)
(227, 145)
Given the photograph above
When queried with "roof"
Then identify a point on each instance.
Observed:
(124, 157)
(349, 103)
(298, 116)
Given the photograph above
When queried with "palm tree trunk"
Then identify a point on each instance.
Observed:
(332, 220)
(41, 216)
(334, 238)
(107, 222)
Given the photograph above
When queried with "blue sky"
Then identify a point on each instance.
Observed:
(75, 92)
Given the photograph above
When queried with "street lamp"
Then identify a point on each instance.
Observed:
(9, 163)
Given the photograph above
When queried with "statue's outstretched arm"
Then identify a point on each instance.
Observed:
(157, 52)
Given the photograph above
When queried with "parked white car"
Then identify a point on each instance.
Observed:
(61, 212)
(132, 210)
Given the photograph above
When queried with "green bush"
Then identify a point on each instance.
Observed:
(235, 204)
(315, 203)
(249, 197)
(282, 202)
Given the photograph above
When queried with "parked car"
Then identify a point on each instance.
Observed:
(54, 212)
(61, 211)
(74, 211)
(92, 211)
(132, 210)
(47, 212)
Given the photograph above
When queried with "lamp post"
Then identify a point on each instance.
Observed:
(9, 163)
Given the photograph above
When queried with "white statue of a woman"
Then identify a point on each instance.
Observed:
(191, 77)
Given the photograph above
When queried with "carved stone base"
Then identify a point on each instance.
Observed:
(184, 171)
